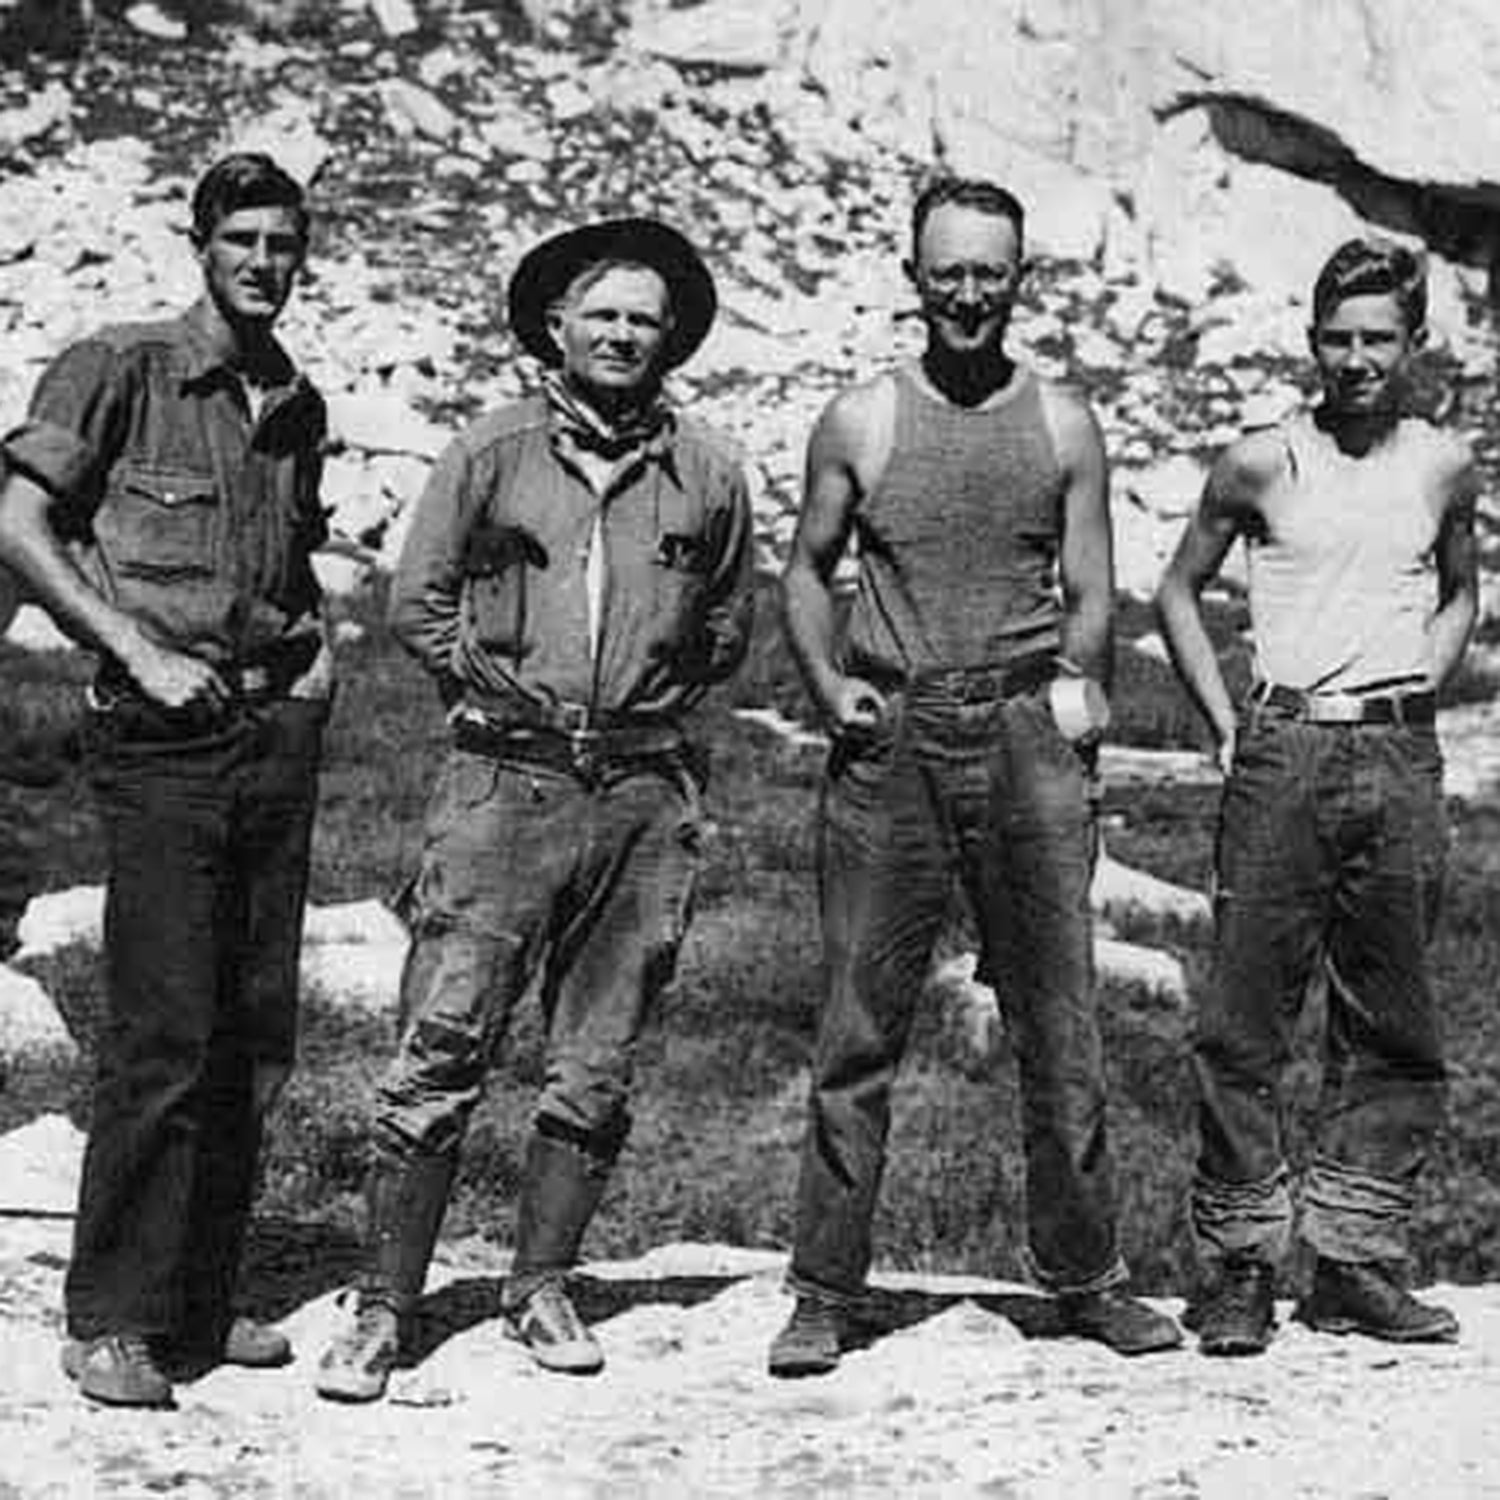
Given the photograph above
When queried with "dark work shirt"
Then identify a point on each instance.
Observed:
(492, 593)
(184, 511)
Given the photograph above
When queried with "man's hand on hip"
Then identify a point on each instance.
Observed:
(174, 679)
(855, 709)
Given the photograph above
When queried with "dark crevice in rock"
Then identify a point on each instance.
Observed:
(1460, 221)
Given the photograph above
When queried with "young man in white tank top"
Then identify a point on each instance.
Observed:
(1358, 523)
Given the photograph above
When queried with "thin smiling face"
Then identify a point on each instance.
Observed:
(1363, 347)
(967, 272)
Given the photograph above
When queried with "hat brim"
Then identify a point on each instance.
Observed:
(547, 270)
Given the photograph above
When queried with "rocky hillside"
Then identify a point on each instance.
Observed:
(442, 138)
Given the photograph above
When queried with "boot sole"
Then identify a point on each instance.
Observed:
(1343, 1326)
(1233, 1348)
(350, 1395)
(800, 1369)
(590, 1363)
(72, 1367)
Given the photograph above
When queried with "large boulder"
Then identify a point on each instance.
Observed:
(1387, 108)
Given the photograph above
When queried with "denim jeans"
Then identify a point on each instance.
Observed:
(991, 791)
(523, 867)
(1331, 848)
(206, 841)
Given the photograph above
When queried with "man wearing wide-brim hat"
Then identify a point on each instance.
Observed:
(576, 576)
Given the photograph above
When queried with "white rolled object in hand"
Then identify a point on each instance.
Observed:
(1079, 707)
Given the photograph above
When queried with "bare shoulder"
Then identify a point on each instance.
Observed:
(1452, 460)
(855, 430)
(1246, 470)
(856, 412)
(1071, 421)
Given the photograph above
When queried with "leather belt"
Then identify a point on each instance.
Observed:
(589, 753)
(982, 684)
(1418, 708)
(254, 680)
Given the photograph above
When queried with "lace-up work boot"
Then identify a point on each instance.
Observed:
(563, 1182)
(811, 1342)
(1238, 1315)
(1370, 1297)
(245, 1342)
(1123, 1323)
(117, 1369)
(357, 1365)
(548, 1324)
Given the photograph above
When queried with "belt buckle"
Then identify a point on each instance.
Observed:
(582, 744)
(571, 718)
(1335, 708)
(253, 682)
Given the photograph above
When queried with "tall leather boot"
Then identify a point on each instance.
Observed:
(561, 1189)
(407, 1201)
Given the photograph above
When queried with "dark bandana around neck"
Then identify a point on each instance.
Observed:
(634, 429)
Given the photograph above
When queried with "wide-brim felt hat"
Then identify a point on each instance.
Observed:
(547, 270)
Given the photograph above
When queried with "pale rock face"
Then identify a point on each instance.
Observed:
(1380, 100)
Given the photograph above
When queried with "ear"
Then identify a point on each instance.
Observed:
(909, 269)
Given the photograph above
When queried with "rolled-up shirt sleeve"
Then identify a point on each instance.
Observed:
(426, 592)
(74, 424)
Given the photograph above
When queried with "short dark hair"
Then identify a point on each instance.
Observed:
(245, 179)
(1372, 266)
(966, 192)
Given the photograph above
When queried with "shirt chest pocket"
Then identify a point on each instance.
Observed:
(160, 522)
(497, 559)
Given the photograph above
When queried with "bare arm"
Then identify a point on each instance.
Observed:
(29, 545)
(1229, 503)
(1458, 573)
(831, 492)
(1086, 562)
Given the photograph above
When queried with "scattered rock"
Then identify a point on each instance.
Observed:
(1131, 963)
(31, 1029)
(1118, 891)
(396, 17)
(40, 1166)
(152, 20)
(58, 918)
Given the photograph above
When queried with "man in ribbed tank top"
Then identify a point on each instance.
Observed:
(977, 495)
(1358, 522)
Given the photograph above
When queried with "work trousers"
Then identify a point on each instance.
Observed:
(592, 879)
(207, 832)
(993, 792)
(1330, 854)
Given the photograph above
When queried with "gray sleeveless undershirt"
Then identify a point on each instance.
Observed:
(959, 538)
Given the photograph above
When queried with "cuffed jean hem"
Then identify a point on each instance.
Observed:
(1061, 1284)
(1351, 1215)
(1242, 1220)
